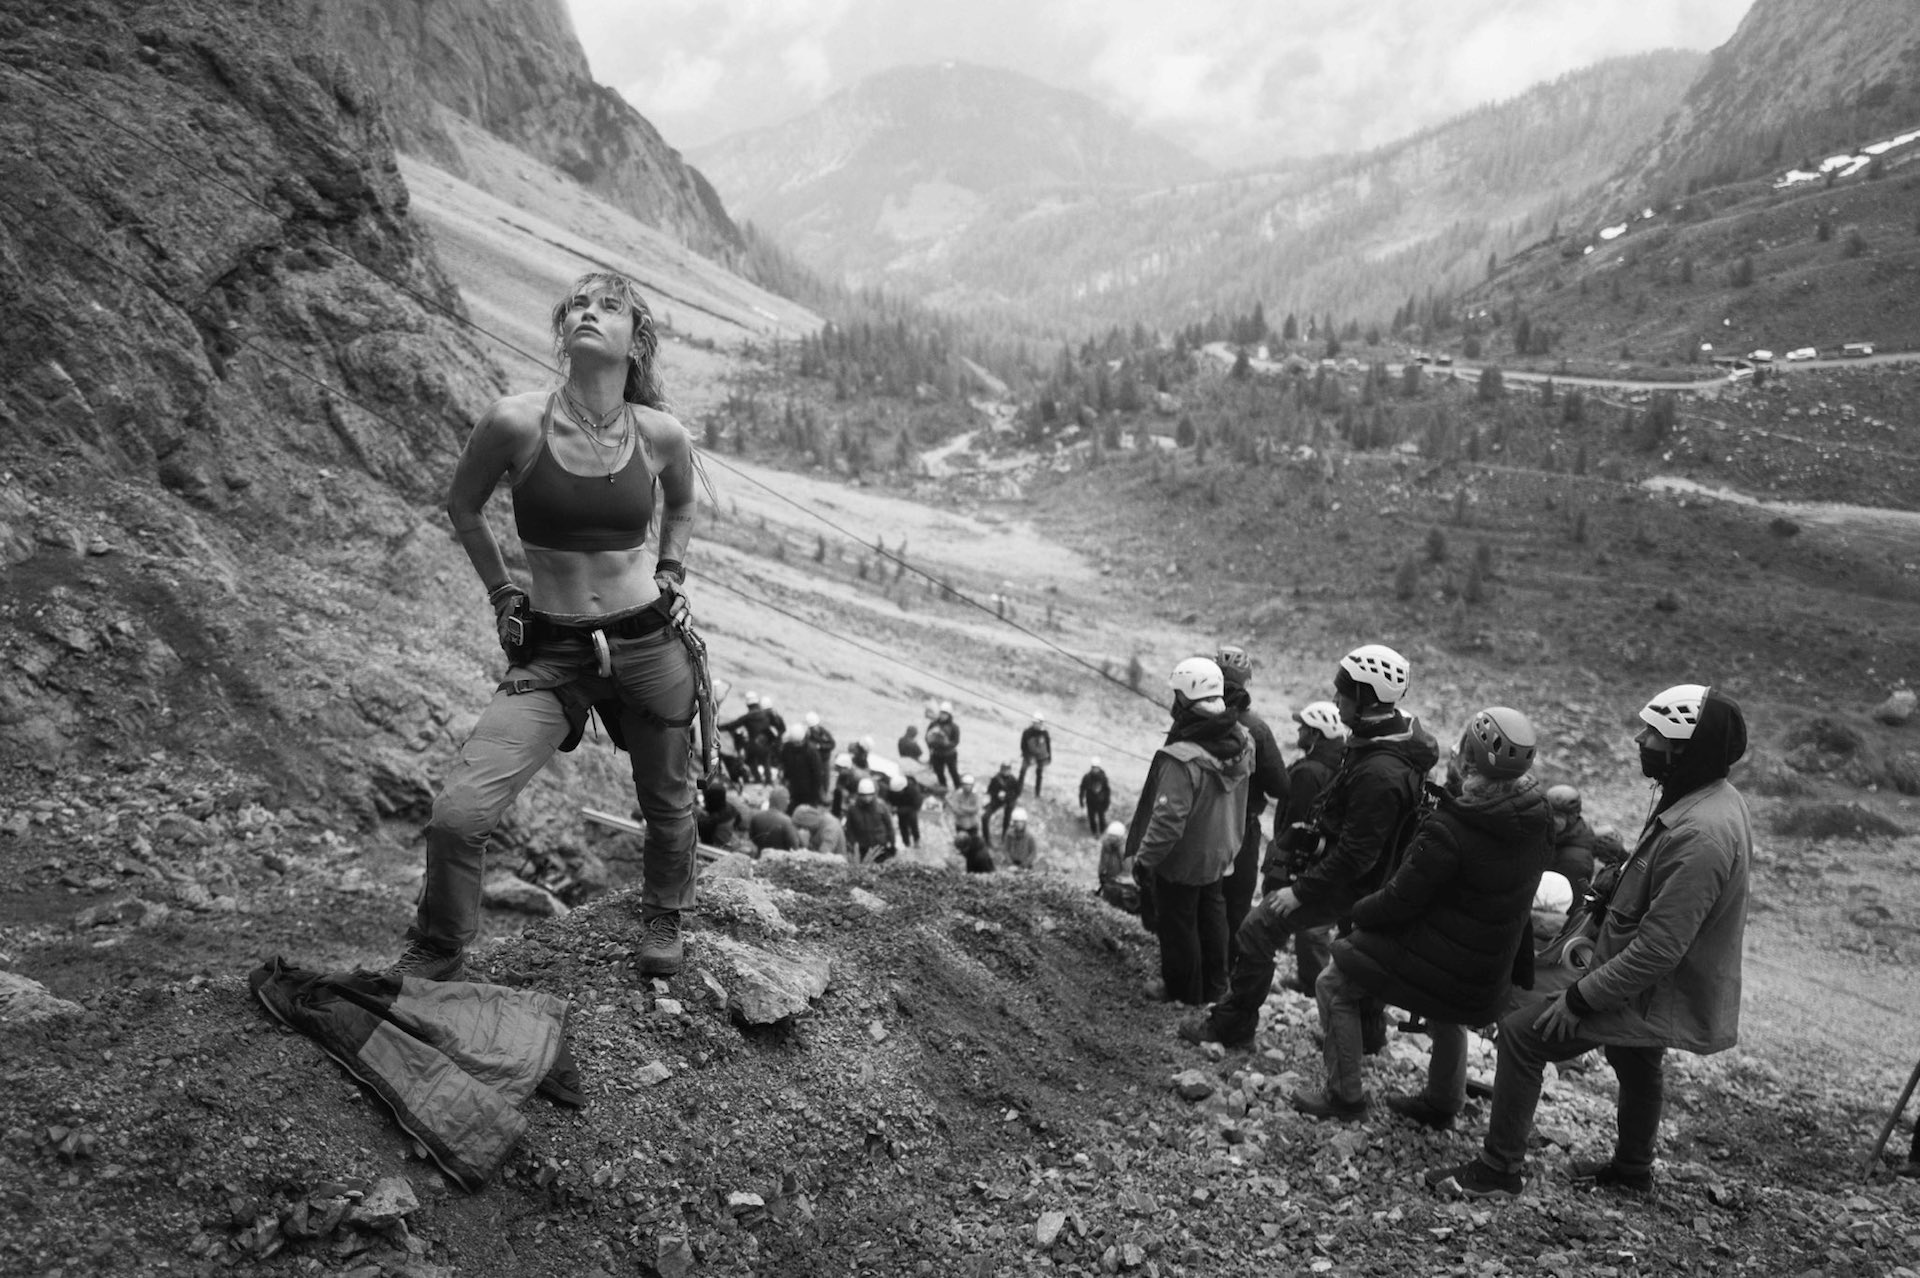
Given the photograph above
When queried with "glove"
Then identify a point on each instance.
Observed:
(511, 605)
(669, 576)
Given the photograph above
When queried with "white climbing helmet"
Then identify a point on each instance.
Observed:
(1197, 679)
(813, 720)
(753, 698)
(1019, 816)
(1675, 713)
(1324, 718)
(1093, 763)
(1116, 831)
(1038, 717)
(866, 786)
(1380, 668)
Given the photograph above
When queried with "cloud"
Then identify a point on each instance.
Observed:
(1234, 81)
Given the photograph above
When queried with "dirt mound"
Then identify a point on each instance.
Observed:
(1833, 821)
(981, 1090)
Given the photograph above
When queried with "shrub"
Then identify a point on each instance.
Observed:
(1474, 590)
(1406, 580)
(1436, 546)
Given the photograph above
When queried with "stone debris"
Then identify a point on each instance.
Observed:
(769, 988)
(511, 892)
(1897, 708)
(1048, 1228)
(652, 1074)
(868, 901)
(1193, 1085)
(24, 1001)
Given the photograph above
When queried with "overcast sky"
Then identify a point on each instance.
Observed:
(1235, 81)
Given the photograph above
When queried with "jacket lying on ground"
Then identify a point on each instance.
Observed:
(1441, 936)
(451, 1059)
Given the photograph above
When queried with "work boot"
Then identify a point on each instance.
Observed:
(1420, 1110)
(661, 951)
(1200, 1029)
(1474, 1179)
(424, 963)
(1324, 1104)
(1602, 1174)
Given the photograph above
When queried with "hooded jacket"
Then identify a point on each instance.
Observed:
(803, 772)
(1440, 937)
(1269, 765)
(1020, 848)
(1366, 803)
(1095, 791)
(1193, 809)
(1666, 964)
(1036, 744)
(822, 828)
(771, 827)
(869, 825)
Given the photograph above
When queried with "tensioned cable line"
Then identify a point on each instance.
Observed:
(541, 361)
(763, 602)
(159, 291)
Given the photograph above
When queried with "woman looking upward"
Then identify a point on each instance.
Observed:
(597, 625)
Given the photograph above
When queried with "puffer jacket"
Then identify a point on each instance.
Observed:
(1193, 809)
(1440, 937)
(1377, 786)
(453, 1060)
(869, 826)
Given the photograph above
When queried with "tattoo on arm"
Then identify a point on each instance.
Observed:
(676, 531)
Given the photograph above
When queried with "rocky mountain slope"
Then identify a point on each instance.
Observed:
(887, 176)
(1354, 235)
(515, 69)
(1796, 81)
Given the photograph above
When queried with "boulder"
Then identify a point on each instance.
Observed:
(744, 904)
(1897, 708)
(1048, 1228)
(390, 1200)
(24, 1001)
(766, 987)
(511, 892)
(1193, 1085)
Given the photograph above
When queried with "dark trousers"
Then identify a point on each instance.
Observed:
(1191, 921)
(1243, 881)
(1096, 818)
(1039, 773)
(909, 826)
(1523, 1054)
(1312, 951)
(946, 768)
(1255, 944)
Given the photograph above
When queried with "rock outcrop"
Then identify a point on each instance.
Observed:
(515, 68)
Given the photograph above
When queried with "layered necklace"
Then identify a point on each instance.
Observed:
(593, 426)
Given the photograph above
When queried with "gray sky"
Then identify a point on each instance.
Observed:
(1235, 81)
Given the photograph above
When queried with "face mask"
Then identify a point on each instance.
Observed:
(1656, 765)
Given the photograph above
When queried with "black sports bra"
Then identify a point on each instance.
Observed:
(558, 509)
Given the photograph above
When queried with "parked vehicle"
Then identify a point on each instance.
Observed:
(1857, 350)
(1802, 352)
(1760, 357)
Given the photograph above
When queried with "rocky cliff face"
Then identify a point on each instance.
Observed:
(229, 390)
(1798, 80)
(516, 69)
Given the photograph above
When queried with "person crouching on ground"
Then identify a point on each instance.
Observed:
(1022, 850)
(1187, 828)
(1666, 963)
(592, 464)
(1442, 936)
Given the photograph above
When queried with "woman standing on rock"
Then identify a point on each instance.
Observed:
(602, 623)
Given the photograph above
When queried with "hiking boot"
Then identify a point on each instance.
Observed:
(661, 951)
(1602, 1174)
(1474, 1179)
(424, 963)
(1297, 985)
(1200, 1029)
(1323, 1104)
(1420, 1110)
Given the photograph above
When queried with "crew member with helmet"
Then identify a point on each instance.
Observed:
(1443, 937)
(1322, 741)
(1003, 792)
(943, 746)
(821, 740)
(868, 824)
(1022, 850)
(1117, 886)
(905, 796)
(1666, 962)
(1187, 829)
(1096, 793)
(756, 725)
(1577, 849)
(963, 808)
(773, 827)
(801, 770)
(1364, 817)
(1036, 751)
(601, 624)
(1269, 782)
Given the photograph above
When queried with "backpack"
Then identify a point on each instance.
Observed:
(937, 739)
(1304, 844)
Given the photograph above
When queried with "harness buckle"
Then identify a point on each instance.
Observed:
(604, 652)
(517, 687)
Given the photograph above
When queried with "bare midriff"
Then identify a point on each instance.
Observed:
(591, 583)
